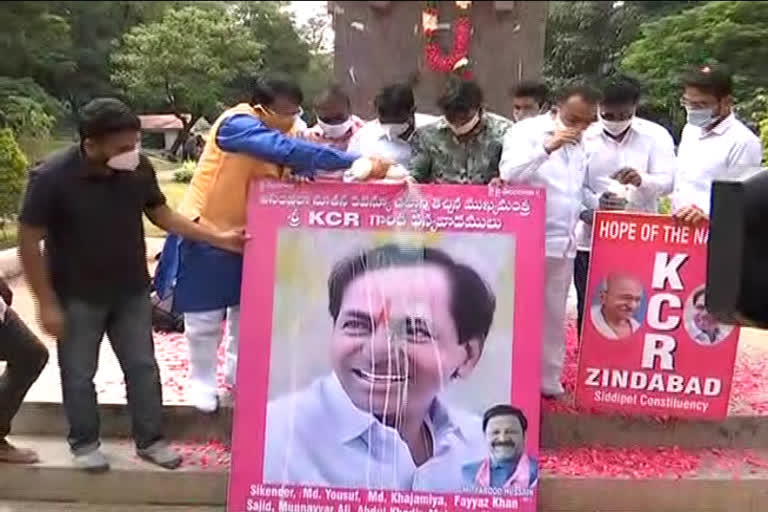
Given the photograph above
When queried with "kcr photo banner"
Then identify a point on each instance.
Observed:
(389, 357)
(648, 345)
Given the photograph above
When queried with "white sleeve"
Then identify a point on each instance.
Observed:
(660, 178)
(744, 156)
(589, 198)
(354, 145)
(521, 155)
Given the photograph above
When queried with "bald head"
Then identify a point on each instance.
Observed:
(620, 297)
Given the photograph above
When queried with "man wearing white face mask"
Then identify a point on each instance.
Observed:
(87, 202)
(631, 163)
(714, 143)
(547, 151)
(464, 146)
(388, 137)
(335, 125)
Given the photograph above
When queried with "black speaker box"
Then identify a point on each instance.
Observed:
(737, 261)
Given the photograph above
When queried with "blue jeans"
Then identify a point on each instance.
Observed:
(127, 322)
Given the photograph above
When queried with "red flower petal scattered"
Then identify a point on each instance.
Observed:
(749, 393)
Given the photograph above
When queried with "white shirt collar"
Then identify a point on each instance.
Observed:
(598, 320)
(723, 125)
(351, 423)
(719, 129)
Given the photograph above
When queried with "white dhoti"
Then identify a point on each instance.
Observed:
(557, 283)
(204, 331)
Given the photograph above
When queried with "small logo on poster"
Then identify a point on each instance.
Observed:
(294, 220)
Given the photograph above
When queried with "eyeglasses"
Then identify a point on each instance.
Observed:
(297, 113)
(695, 104)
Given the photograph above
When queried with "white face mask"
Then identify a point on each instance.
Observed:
(615, 127)
(394, 130)
(127, 161)
(466, 127)
(335, 131)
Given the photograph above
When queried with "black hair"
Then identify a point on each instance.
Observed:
(505, 410)
(333, 91)
(472, 301)
(716, 81)
(698, 294)
(264, 91)
(395, 100)
(621, 90)
(107, 116)
(536, 90)
(460, 96)
(584, 91)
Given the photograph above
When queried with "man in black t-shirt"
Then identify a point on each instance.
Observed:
(86, 203)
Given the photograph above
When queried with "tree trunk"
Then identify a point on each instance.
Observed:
(184, 133)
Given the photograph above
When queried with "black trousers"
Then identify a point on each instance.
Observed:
(580, 273)
(25, 357)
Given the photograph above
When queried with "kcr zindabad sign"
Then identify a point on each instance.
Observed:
(649, 346)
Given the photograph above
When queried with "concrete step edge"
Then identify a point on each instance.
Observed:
(132, 481)
(557, 429)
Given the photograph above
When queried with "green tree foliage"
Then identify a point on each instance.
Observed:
(13, 165)
(93, 29)
(26, 108)
(34, 42)
(185, 61)
(730, 33)
(586, 40)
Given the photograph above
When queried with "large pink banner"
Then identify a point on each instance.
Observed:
(389, 349)
(649, 346)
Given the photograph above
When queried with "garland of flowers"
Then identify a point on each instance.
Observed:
(458, 60)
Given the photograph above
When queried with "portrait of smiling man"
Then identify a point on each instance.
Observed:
(407, 322)
(507, 464)
(620, 298)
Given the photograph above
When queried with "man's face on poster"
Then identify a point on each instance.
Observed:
(701, 317)
(621, 298)
(505, 436)
(395, 343)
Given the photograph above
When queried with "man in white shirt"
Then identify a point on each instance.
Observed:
(714, 143)
(631, 163)
(547, 151)
(388, 136)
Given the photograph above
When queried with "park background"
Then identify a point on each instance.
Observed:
(190, 60)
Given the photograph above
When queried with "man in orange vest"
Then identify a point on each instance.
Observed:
(249, 141)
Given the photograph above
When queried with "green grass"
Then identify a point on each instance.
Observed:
(174, 193)
(162, 165)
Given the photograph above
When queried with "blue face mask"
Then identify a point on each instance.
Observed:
(701, 117)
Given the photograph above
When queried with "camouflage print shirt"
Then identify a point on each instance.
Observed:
(439, 156)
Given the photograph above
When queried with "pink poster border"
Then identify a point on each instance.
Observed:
(256, 316)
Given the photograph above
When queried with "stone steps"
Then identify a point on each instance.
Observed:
(709, 488)
(558, 429)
